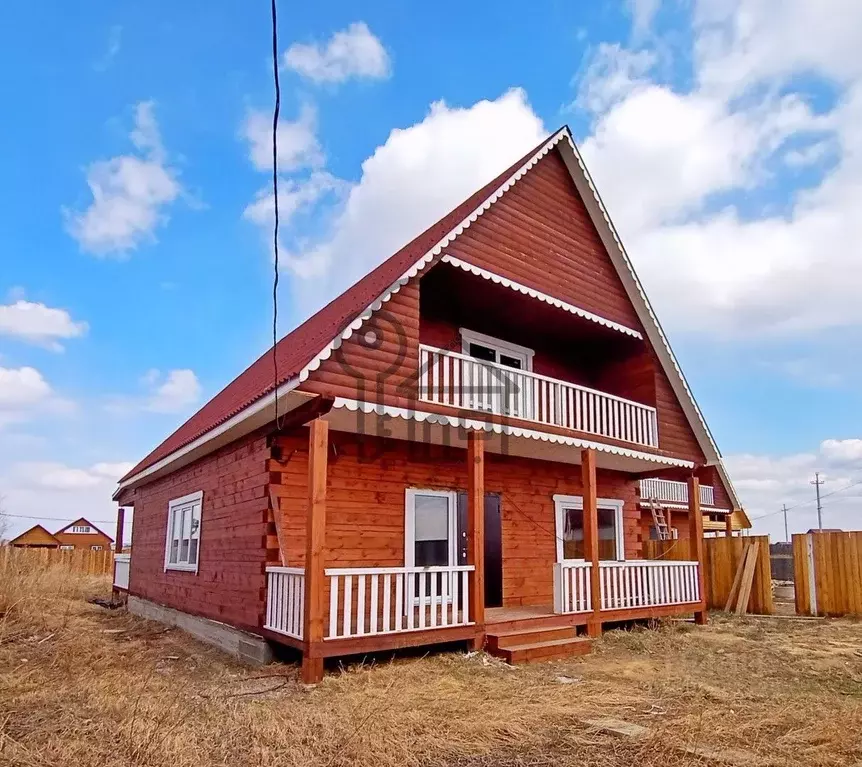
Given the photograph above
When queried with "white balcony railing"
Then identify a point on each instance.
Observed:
(671, 491)
(285, 600)
(647, 583)
(367, 601)
(122, 564)
(449, 378)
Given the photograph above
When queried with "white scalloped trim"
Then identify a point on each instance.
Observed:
(571, 308)
(423, 262)
(497, 428)
(683, 506)
(665, 344)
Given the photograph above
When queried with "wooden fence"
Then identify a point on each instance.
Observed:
(722, 557)
(828, 573)
(82, 561)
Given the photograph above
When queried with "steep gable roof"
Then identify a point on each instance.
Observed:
(83, 521)
(31, 530)
(300, 346)
(304, 348)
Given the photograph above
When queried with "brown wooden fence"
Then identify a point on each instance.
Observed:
(828, 573)
(82, 561)
(722, 557)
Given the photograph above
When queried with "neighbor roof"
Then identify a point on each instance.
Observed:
(83, 521)
(30, 530)
(299, 347)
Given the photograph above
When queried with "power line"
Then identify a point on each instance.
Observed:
(58, 519)
(275, 113)
(807, 503)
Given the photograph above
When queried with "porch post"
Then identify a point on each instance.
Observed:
(591, 537)
(121, 526)
(315, 552)
(695, 527)
(476, 531)
(728, 525)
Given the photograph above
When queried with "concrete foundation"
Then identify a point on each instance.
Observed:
(242, 645)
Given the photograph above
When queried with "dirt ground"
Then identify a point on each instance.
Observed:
(81, 685)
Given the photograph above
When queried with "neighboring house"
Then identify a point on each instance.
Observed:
(460, 452)
(82, 534)
(37, 537)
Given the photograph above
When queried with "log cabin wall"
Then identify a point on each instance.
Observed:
(230, 583)
(539, 234)
(366, 483)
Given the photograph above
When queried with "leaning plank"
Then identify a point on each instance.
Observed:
(747, 580)
(279, 524)
(737, 579)
(617, 727)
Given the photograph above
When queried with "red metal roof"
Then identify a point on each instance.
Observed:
(299, 347)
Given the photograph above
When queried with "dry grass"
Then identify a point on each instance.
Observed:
(83, 686)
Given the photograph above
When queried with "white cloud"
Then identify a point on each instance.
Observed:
(765, 483)
(55, 493)
(22, 387)
(131, 193)
(294, 196)
(687, 177)
(298, 146)
(643, 12)
(39, 324)
(25, 394)
(352, 52)
(414, 178)
(179, 390)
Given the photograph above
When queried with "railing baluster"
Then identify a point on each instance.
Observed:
(347, 622)
(374, 588)
(387, 601)
(333, 606)
(433, 603)
(399, 600)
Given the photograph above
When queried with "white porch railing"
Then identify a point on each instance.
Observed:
(449, 378)
(385, 600)
(647, 583)
(572, 587)
(671, 491)
(122, 564)
(285, 600)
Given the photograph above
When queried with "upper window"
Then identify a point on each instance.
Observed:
(82, 529)
(95, 548)
(67, 548)
(495, 350)
(570, 528)
(182, 542)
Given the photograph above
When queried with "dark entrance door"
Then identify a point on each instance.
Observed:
(493, 545)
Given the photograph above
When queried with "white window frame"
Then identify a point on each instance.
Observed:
(498, 345)
(191, 498)
(96, 547)
(563, 502)
(67, 547)
(81, 529)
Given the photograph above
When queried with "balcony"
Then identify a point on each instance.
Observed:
(670, 491)
(457, 380)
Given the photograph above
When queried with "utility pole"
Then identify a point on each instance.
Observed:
(817, 482)
(786, 534)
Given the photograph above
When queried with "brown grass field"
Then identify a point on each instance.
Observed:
(81, 686)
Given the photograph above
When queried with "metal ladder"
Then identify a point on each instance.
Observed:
(659, 520)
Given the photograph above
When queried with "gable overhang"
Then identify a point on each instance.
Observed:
(260, 409)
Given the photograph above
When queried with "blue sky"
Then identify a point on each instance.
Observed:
(727, 152)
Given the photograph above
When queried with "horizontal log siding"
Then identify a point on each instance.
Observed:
(365, 505)
(230, 583)
(539, 233)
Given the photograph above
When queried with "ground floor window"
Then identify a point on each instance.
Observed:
(183, 533)
(570, 528)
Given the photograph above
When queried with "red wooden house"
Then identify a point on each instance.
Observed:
(472, 443)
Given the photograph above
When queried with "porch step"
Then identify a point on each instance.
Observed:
(553, 649)
(504, 640)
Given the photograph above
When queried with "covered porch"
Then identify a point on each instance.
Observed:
(327, 610)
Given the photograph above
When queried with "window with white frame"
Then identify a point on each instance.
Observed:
(95, 548)
(570, 528)
(81, 529)
(430, 526)
(67, 548)
(182, 542)
(495, 350)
